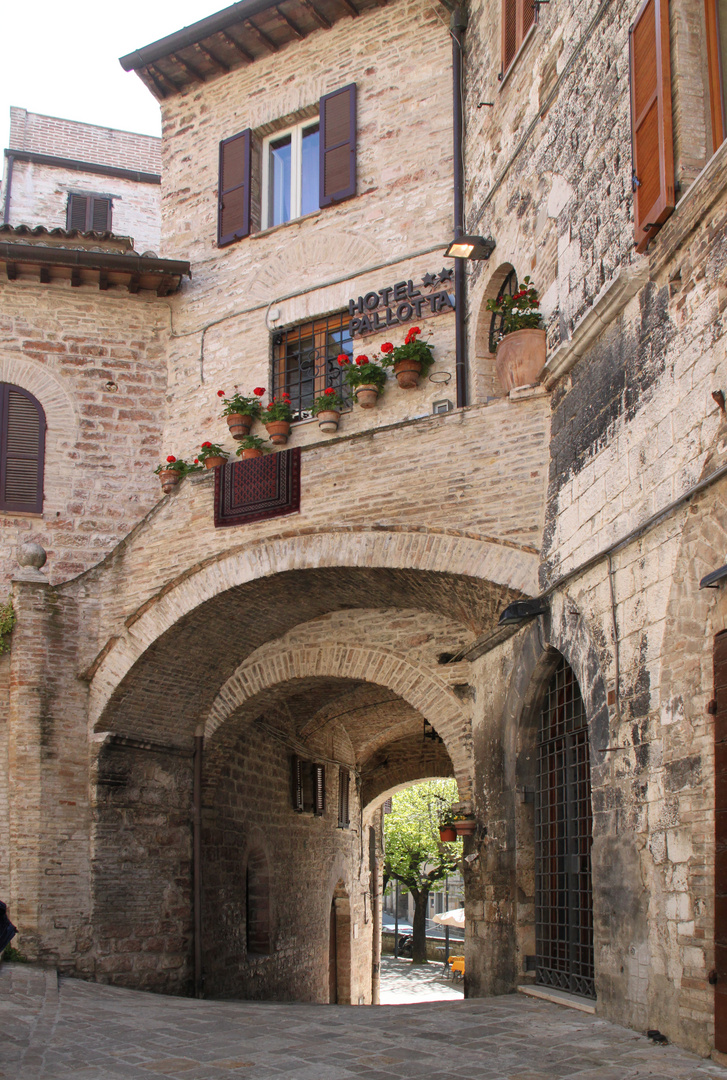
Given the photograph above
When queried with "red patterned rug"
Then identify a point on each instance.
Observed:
(257, 488)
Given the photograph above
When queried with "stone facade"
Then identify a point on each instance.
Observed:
(335, 633)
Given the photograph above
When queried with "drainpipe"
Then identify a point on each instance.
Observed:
(8, 185)
(197, 861)
(458, 25)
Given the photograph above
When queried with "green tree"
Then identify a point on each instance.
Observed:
(414, 854)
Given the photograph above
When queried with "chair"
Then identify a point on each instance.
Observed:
(456, 966)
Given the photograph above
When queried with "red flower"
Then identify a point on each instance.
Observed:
(196, 461)
(330, 390)
(362, 360)
(220, 393)
(387, 347)
(259, 391)
(414, 330)
(342, 359)
(204, 444)
(171, 458)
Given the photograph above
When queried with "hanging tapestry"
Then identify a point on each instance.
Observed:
(257, 488)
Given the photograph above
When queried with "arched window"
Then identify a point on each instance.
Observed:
(22, 450)
(563, 838)
(257, 904)
(508, 288)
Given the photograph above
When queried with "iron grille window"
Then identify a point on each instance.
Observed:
(508, 288)
(563, 838)
(304, 361)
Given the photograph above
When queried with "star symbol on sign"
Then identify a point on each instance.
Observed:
(445, 275)
(429, 279)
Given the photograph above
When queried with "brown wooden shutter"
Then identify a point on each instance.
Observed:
(233, 205)
(319, 789)
(297, 776)
(651, 120)
(715, 72)
(100, 215)
(77, 212)
(509, 32)
(22, 450)
(343, 789)
(337, 174)
(528, 15)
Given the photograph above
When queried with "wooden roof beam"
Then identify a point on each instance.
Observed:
(44, 275)
(189, 68)
(247, 57)
(267, 41)
(11, 270)
(134, 283)
(319, 17)
(295, 29)
(350, 7)
(176, 87)
(219, 64)
(156, 87)
(75, 277)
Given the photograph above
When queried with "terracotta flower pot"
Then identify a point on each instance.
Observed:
(169, 479)
(465, 828)
(278, 430)
(520, 357)
(407, 373)
(239, 425)
(213, 462)
(367, 395)
(328, 420)
(447, 833)
(251, 453)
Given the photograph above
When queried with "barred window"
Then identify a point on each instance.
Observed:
(304, 361)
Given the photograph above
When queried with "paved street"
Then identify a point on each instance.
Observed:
(404, 983)
(71, 1030)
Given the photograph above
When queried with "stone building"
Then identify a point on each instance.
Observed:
(202, 722)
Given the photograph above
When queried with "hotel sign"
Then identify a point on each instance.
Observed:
(401, 303)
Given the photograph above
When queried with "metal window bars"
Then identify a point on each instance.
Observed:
(563, 838)
(305, 361)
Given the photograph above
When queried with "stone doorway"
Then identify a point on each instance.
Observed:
(339, 948)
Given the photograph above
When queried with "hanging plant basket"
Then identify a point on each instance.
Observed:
(367, 395)
(407, 373)
(239, 424)
(328, 420)
(278, 430)
(213, 461)
(466, 827)
(251, 453)
(169, 478)
(447, 833)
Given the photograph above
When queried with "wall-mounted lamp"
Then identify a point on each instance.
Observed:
(471, 247)
(521, 610)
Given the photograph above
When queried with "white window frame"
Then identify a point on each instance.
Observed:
(296, 169)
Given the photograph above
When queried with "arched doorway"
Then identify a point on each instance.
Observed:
(563, 839)
(339, 948)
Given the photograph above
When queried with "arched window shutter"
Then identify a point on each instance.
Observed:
(651, 120)
(337, 145)
(233, 204)
(22, 450)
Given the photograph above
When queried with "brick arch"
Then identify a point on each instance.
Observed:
(401, 763)
(509, 570)
(60, 413)
(426, 693)
(485, 372)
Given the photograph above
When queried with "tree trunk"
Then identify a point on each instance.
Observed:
(419, 927)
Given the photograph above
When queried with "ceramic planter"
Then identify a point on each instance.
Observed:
(447, 833)
(407, 373)
(278, 430)
(251, 453)
(520, 357)
(239, 425)
(328, 420)
(367, 395)
(465, 828)
(213, 462)
(169, 479)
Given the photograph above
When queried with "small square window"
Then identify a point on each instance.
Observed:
(290, 162)
(305, 361)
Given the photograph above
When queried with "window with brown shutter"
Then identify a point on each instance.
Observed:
(517, 18)
(651, 120)
(344, 781)
(233, 204)
(338, 145)
(319, 790)
(88, 213)
(297, 778)
(22, 450)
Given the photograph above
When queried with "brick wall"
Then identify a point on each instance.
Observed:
(83, 142)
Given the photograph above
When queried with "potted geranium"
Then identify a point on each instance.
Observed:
(240, 411)
(210, 455)
(366, 378)
(252, 446)
(521, 350)
(410, 361)
(327, 408)
(464, 824)
(172, 471)
(447, 831)
(277, 417)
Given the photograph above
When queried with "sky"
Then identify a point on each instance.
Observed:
(63, 61)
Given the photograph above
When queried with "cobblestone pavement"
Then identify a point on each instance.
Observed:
(403, 982)
(61, 1029)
